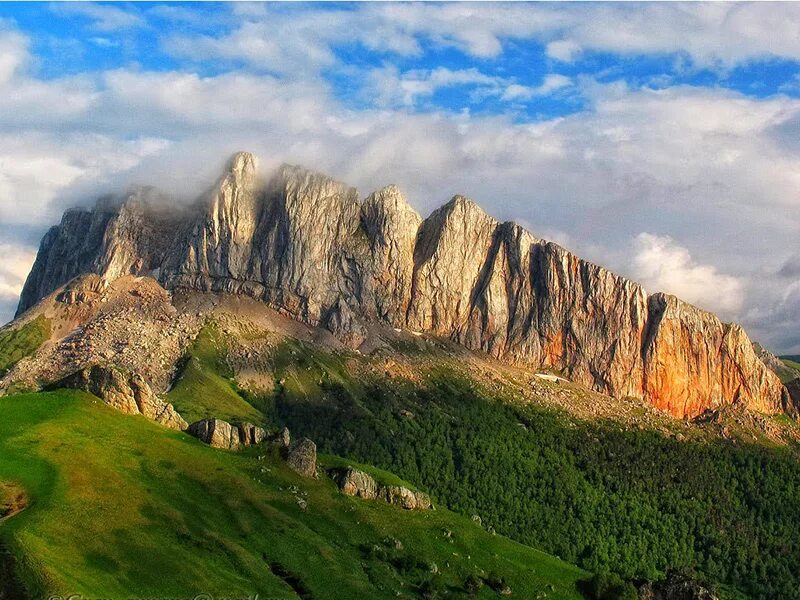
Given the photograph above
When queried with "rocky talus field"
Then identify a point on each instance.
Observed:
(289, 390)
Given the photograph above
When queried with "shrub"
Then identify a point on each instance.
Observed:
(610, 586)
(473, 584)
(432, 588)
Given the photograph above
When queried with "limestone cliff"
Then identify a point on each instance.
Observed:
(306, 245)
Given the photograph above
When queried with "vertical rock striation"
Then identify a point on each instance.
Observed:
(120, 236)
(305, 244)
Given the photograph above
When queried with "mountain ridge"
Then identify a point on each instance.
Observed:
(308, 246)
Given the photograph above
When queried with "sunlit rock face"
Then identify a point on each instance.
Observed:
(310, 247)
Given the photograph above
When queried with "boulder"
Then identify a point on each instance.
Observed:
(216, 433)
(302, 457)
(354, 482)
(281, 439)
(406, 498)
(251, 435)
(128, 393)
(221, 434)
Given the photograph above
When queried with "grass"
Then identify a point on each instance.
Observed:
(792, 363)
(122, 507)
(16, 344)
(205, 389)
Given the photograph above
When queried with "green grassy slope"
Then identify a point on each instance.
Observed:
(16, 344)
(120, 507)
(594, 493)
(204, 388)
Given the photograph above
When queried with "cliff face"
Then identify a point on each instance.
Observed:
(120, 236)
(309, 247)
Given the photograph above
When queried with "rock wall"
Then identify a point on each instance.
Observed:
(306, 245)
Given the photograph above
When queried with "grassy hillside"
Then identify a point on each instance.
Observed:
(16, 344)
(120, 507)
(204, 388)
(592, 492)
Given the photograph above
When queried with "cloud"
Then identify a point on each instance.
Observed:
(661, 264)
(13, 270)
(715, 35)
(388, 87)
(102, 17)
(552, 83)
(791, 268)
(40, 172)
(563, 50)
(13, 53)
(391, 88)
(278, 39)
(713, 168)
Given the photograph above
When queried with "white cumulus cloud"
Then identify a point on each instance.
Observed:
(661, 264)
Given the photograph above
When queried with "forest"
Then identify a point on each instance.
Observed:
(634, 503)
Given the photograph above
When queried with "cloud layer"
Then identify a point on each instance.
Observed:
(689, 189)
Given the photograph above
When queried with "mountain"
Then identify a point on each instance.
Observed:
(307, 246)
(292, 303)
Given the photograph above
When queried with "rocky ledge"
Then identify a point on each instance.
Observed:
(221, 434)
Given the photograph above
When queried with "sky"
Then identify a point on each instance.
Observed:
(661, 140)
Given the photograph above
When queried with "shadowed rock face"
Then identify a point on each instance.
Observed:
(302, 457)
(306, 245)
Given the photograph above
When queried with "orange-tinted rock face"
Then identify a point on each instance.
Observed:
(694, 362)
(309, 247)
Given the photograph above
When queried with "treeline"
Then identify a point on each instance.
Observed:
(633, 502)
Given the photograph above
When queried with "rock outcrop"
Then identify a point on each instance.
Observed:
(676, 587)
(221, 434)
(354, 482)
(307, 246)
(128, 393)
(405, 498)
(775, 364)
(127, 235)
(793, 389)
(302, 457)
(281, 439)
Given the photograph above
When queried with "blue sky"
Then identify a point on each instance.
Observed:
(658, 139)
(78, 38)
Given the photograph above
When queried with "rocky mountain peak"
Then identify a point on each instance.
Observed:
(386, 210)
(306, 245)
(390, 198)
(463, 208)
(243, 165)
(296, 178)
